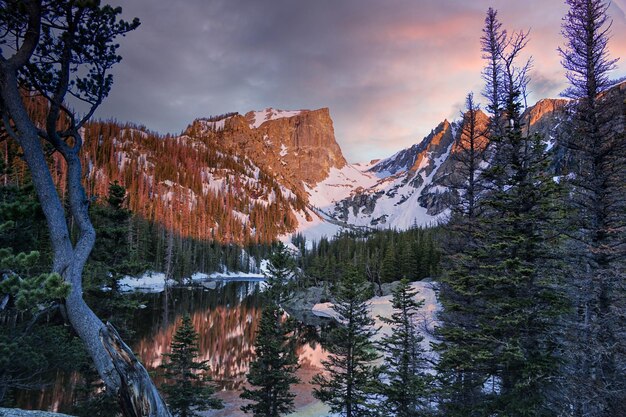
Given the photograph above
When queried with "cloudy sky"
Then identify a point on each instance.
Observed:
(389, 70)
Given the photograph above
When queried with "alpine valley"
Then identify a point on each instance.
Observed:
(252, 178)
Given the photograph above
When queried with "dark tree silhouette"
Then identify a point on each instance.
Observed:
(273, 371)
(493, 42)
(470, 155)
(63, 50)
(407, 386)
(187, 388)
(593, 383)
(349, 384)
(586, 28)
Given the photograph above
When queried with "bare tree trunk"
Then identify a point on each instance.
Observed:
(138, 395)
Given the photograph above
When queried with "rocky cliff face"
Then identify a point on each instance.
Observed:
(305, 143)
(413, 158)
(299, 146)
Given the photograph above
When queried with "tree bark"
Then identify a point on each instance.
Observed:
(139, 396)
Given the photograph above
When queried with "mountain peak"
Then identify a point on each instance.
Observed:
(306, 139)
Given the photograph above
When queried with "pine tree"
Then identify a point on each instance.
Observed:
(500, 294)
(593, 382)
(187, 388)
(493, 42)
(349, 384)
(586, 57)
(117, 195)
(500, 300)
(470, 153)
(389, 269)
(281, 271)
(407, 386)
(273, 371)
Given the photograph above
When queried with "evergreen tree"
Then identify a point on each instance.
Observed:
(501, 303)
(117, 195)
(407, 386)
(349, 384)
(30, 344)
(586, 56)
(493, 42)
(389, 269)
(470, 155)
(281, 273)
(187, 389)
(593, 382)
(273, 370)
(407, 259)
(500, 296)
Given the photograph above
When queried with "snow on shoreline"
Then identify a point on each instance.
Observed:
(381, 306)
(154, 282)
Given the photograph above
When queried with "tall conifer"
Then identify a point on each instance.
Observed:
(348, 383)
(273, 371)
(187, 388)
(593, 383)
(500, 293)
(407, 387)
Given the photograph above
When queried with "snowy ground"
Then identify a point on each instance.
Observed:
(381, 306)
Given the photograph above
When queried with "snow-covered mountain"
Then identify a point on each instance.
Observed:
(412, 187)
(273, 173)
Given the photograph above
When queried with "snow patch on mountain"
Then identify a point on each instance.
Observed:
(339, 184)
(313, 228)
(260, 117)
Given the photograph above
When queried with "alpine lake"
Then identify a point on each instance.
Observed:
(225, 313)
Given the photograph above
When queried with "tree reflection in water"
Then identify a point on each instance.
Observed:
(226, 316)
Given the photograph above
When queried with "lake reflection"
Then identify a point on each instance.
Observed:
(225, 314)
(226, 319)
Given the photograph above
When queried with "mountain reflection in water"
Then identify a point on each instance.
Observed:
(226, 320)
(226, 317)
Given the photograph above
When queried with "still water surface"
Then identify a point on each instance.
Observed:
(225, 314)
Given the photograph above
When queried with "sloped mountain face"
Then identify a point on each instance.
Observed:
(230, 178)
(410, 159)
(298, 146)
(414, 186)
(394, 200)
(255, 177)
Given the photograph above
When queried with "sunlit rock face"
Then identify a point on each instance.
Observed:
(305, 142)
(296, 146)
